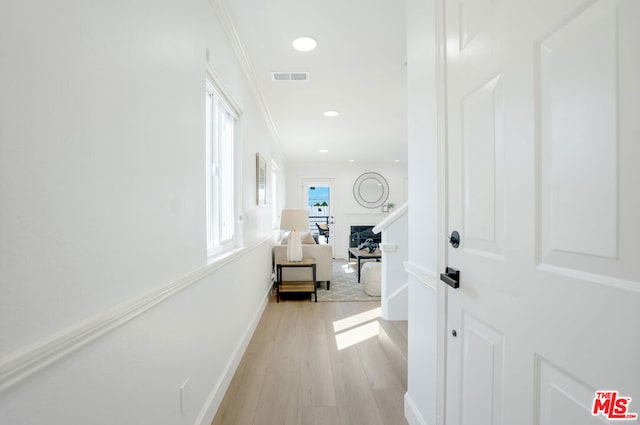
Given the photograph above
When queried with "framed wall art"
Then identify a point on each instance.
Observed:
(261, 180)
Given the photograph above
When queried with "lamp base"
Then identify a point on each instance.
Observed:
(294, 247)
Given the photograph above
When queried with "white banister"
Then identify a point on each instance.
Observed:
(392, 217)
(395, 247)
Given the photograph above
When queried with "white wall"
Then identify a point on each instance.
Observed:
(420, 400)
(395, 250)
(347, 211)
(102, 193)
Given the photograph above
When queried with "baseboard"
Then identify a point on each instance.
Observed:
(411, 412)
(212, 404)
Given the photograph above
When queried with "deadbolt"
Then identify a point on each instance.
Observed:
(454, 239)
(454, 333)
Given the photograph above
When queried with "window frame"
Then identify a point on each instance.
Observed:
(275, 179)
(223, 199)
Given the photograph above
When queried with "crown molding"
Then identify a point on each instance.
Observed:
(222, 12)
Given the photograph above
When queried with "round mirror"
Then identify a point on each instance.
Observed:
(371, 190)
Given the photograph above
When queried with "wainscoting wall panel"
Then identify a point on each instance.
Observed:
(196, 328)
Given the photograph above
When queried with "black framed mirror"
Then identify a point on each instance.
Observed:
(371, 190)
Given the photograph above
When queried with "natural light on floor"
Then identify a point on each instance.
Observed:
(348, 269)
(357, 328)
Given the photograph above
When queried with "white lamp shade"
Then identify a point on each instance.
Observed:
(294, 220)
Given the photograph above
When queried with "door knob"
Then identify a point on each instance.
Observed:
(451, 277)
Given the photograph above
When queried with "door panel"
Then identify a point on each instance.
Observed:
(482, 368)
(542, 184)
(562, 398)
(581, 225)
(473, 14)
(579, 202)
(483, 150)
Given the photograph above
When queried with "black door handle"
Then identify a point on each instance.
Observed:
(451, 277)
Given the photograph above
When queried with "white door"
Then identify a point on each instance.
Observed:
(322, 214)
(543, 145)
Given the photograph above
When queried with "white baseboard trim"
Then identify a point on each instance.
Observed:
(411, 412)
(212, 404)
(31, 359)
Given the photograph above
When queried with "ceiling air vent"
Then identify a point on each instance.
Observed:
(290, 76)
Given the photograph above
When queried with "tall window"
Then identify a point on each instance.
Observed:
(275, 222)
(221, 122)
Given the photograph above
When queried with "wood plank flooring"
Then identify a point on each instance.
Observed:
(293, 372)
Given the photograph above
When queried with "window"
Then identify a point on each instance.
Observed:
(221, 123)
(275, 222)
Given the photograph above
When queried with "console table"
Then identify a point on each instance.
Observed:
(360, 254)
(296, 286)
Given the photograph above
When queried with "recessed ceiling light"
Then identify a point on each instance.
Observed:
(396, 160)
(323, 150)
(305, 44)
(331, 114)
(352, 160)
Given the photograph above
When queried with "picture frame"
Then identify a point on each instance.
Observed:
(261, 180)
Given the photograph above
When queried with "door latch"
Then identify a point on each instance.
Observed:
(451, 277)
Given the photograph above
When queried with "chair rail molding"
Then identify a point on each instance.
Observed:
(423, 275)
(35, 357)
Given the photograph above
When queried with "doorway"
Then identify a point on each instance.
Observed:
(317, 199)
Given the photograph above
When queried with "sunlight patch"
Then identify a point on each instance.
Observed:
(356, 335)
(347, 269)
(356, 319)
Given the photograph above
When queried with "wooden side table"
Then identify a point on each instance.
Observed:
(296, 286)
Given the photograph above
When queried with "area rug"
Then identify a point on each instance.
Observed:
(344, 286)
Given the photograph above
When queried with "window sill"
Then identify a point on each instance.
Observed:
(220, 256)
(231, 253)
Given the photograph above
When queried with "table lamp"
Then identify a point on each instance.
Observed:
(295, 221)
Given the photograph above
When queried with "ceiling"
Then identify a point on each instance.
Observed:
(357, 69)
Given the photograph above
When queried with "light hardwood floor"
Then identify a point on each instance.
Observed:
(293, 372)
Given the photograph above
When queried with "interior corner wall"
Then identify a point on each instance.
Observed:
(421, 398)
(347, 210)
(102, 187)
